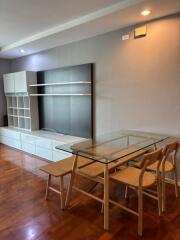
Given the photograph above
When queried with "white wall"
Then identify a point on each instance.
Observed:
(137, 82)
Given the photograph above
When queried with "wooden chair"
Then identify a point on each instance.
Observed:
(168, 165)
(98, 173)
(60, 169)
(140, 179)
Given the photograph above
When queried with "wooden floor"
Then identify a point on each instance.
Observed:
(25, 215)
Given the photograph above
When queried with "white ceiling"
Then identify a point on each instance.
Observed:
(23, 18)
(36, 25)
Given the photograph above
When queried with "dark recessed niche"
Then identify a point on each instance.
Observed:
(66, 100)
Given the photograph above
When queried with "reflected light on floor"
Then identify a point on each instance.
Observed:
(30, 232)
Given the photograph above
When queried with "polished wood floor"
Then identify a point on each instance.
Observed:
(25, 215)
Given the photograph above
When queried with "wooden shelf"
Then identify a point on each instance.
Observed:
(61, 94)
(18, 108)
(23, 117)
(11, 115)
(17, 116)
(24, 108)
(56, 84)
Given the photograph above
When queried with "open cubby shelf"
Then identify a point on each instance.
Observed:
(19, 115)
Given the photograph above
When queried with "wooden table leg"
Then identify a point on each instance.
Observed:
(71, 181)
(62, 193)
(106, 197)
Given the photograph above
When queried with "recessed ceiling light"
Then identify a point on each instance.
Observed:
(22, 51)
(145, 12)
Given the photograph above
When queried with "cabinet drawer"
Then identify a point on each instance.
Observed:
(5, 140)
(28, 138)
(44, 153)
(28, 147)
(11, 142)
(10, 133)
(60, 155)
(45, 143)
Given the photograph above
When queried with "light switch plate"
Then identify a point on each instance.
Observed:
(125, 37)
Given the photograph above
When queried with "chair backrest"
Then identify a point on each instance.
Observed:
(170, 150)
(151, 157)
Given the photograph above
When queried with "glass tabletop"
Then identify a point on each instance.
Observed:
(110, 147)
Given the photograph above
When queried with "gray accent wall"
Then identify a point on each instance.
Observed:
(4, 68)
(137, 82)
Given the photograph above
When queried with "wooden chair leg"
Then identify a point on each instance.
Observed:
(102, 204)
(47, 187)
(126, 192)
(163, 193)
(62, 193)
(176, 181)
(126, 189)
(106, 197)
(102, 208)
(140, 211)
(159, 192)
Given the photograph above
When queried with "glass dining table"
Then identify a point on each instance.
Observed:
(113, 149)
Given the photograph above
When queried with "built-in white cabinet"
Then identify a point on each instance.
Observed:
(11, 142)
(10, 138)
(18, 82)
(38, 143)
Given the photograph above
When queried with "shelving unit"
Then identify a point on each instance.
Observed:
(63, 96)
(19, 114)
(21, 109)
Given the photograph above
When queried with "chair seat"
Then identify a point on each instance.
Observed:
(130, 176)
(168, 166)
